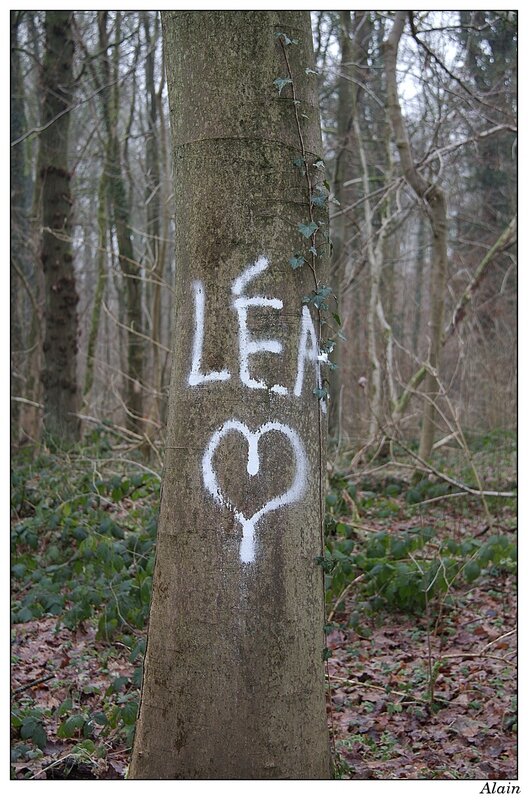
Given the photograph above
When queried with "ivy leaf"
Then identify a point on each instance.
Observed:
(321, 392)
(285, 38)
(328, 346)
(319, 164)
(337, 319)
(318, 298)
(320, 200)
(307, 229)
(296, 261)
(300, 163)
(280, 83)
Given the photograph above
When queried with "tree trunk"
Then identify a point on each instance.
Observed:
(155, 248)
(345, 116)
(233, 672)
(59, 378)
(434, 198)
(121, 218)
(102, 228)
(19, 224)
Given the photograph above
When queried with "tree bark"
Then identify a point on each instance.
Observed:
(102, 229)
(19, 222)
(345, 116)
(59, 378)
(121, 218)
(153, 197)
(435, 203)
(233, 672)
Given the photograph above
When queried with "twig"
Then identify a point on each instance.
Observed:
(498, 639)
(44, 679)
(343, 594)
(385, 689)
(477, 655)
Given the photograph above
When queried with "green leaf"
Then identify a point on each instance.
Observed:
(32, 729)
(471, 571)
(18, 570)
(65, 706)
(300, 163)
(337, 319)
(319, 200)
(286, 39)
(321, 393)
(116, 685)
(318, 298)
(68, 727)
(296, 261)
(129, 713)
(307, 229)
(280, 83)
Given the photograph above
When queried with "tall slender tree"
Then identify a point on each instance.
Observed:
(233, 669)
(434, 199)
(59, 375)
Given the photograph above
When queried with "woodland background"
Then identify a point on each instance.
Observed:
(421, 164)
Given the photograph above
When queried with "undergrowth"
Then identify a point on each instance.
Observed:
(82, 552)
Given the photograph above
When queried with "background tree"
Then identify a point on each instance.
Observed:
(242, 630)
(59, 376)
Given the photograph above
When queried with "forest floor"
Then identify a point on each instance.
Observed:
(422, 691)
(407, 705)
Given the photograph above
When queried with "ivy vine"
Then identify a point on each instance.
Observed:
(313, 229)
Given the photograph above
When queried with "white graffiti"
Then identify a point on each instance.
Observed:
(308, 353)
(246, 345)
(249, 346)
(196, 376)
(292, 495)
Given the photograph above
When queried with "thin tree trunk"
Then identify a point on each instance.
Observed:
(418, 284)
(61, 396)
(153, 200)
(345, 116)
(19, 223)
(121, 217)
(459, 313)
(434, 198)
(102, 226)
(233, 669)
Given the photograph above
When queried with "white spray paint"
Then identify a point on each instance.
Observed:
(246, 345)
(292, 495)
(196, 376)
(308, 352)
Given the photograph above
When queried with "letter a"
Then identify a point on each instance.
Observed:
(307, 352)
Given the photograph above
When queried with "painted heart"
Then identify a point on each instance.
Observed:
(292, 495)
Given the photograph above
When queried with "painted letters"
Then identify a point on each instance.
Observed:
(196, 376)
(307, 352)
(247, 345)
